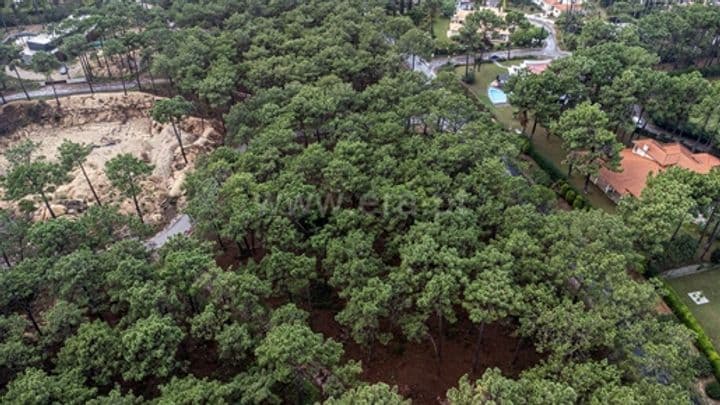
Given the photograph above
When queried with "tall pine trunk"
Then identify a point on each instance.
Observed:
(476, 356)
(47, 204)
(711, 241)
(535, 122)
(135, 69)
(6, 259)
(92, 189)
(29, 313)
(587, 183)
(137, 207)
(22, 85)
(179, 139)
(517, 350)
(107, 65)
(57, 99)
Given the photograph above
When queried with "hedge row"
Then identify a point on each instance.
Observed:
(683, 313)
(571, 195)
(554, 172)
(563, 189)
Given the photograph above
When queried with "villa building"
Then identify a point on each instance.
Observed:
(556, 7)
(458, 21)
(532, 66)
(650, 156)
(465, 5)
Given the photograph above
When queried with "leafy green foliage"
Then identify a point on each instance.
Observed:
(93, 352)
(149, 346)
(191, 390)
(125, 172)
(352, 186)
(27, 176)
(35, 386)
(712, 389)
(369, 394)
(16, 353)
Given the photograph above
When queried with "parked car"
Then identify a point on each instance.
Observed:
(639, 122)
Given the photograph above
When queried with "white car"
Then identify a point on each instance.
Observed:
(639, 122)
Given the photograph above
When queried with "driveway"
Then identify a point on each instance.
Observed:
(179, 225)
(550, 50)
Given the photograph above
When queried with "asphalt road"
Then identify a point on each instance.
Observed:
(182, 224)
(550, 50)
(70, 89)
(179, 225)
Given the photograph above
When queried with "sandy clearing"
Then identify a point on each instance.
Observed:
(115, 124)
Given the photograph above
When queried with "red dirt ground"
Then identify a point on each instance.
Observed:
(413, 366)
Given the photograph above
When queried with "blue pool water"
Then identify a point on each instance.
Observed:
(496, 95)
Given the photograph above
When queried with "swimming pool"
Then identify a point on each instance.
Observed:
(496, 95)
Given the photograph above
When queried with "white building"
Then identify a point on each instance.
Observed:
(556, 7)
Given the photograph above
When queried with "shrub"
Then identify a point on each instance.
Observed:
(564, 188)
(469, 78)
(715, 256)
(712, 390)
(548, 166)
(570, 196)
(702, 367)
(523, 144)
(579, 202)
(541, 177)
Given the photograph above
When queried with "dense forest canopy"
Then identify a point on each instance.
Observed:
(350, 184)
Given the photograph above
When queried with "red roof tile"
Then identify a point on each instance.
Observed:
(635, 167)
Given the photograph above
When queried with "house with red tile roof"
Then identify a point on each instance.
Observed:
(650, 156)
(556, 7)
(533, 66)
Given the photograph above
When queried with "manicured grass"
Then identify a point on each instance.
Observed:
(708, 314)
(485, 74)
(440, 27)
(550, 148)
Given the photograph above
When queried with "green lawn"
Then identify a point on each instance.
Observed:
(440, 27)
(485, 74)
(708, 314)
(550, 148)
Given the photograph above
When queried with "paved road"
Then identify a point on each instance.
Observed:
(685, 271)
(665, 134)
(69, 89)
(179, 225)
(182, 224)
(550, 50)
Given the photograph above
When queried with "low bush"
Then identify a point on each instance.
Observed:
(712, 390)
(702, 367)
(469, 78)
(564, 188)
(579, 202)
(541, 177)
(715, 256)
(570, 196)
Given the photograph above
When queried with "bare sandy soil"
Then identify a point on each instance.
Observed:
(115, 124)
